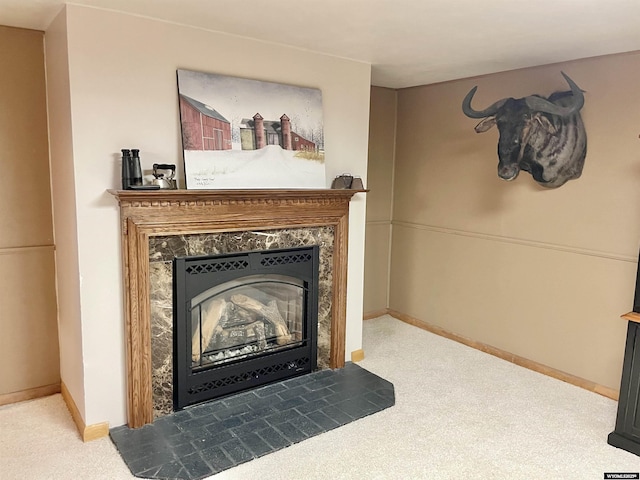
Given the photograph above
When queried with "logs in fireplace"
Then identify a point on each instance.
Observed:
(243, 320)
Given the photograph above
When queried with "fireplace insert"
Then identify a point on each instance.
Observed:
(243, 320)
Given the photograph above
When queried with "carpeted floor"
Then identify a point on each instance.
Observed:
(459, 414)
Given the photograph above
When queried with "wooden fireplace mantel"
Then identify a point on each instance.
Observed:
(145, 213)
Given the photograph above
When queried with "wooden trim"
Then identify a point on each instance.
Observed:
(375, 314)
(166, 197)
(339, 292)
(517, 241)
(16, 250)
(87, 432)
(357, 355)
(510, 357)
(95, 431)
(73, 409)
(29, 394)
(632, 317)
(182, 212)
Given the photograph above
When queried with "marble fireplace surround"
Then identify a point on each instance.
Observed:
(162, 251)
(166, 213)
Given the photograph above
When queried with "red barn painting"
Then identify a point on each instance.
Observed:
(203, 128)
(224, 148)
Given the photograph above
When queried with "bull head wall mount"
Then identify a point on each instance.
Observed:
(542, 136)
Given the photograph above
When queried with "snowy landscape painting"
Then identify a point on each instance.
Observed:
(239, 133)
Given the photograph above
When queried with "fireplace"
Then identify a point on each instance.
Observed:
(242, 320)
(150, 216)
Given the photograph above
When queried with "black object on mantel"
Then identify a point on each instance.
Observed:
(126, 168)
(346, 181)
(131, 170)
(136, 170)
(144, 187)
(627, 431)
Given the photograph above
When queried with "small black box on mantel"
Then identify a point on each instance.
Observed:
(346, 181)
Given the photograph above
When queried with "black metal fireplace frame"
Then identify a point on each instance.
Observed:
(192, 386)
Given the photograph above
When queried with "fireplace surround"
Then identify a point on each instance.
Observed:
(148, 214)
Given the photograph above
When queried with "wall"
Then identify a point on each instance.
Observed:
(28, 330)
(540, 273)
(382, 135)
(64, 210)
(120, 83)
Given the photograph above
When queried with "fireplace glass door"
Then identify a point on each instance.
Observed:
(250, 316)
(243, 320)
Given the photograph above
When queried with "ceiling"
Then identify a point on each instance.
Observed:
(407, 42)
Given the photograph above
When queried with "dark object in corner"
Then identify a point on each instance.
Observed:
(627, 431)
(636, 297)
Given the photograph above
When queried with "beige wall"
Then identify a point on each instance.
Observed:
(115, 87)
(540, 273)
(382, 134)
(28, 330)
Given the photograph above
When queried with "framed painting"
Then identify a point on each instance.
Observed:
(239, 133)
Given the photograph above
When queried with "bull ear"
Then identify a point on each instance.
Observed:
(544, 122)
(485, 124)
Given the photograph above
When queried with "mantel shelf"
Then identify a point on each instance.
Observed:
(182, 195)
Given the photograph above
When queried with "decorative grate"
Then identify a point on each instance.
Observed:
(213, 267)
(272, 260)
(250, 375)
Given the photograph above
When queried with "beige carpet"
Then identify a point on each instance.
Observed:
(459, 414)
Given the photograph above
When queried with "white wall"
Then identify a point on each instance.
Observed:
(123, 94)
(64, 210)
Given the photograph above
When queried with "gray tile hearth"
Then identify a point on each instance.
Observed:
(206, 439)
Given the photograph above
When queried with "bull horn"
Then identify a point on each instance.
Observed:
(540, 104)
(487, 112)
